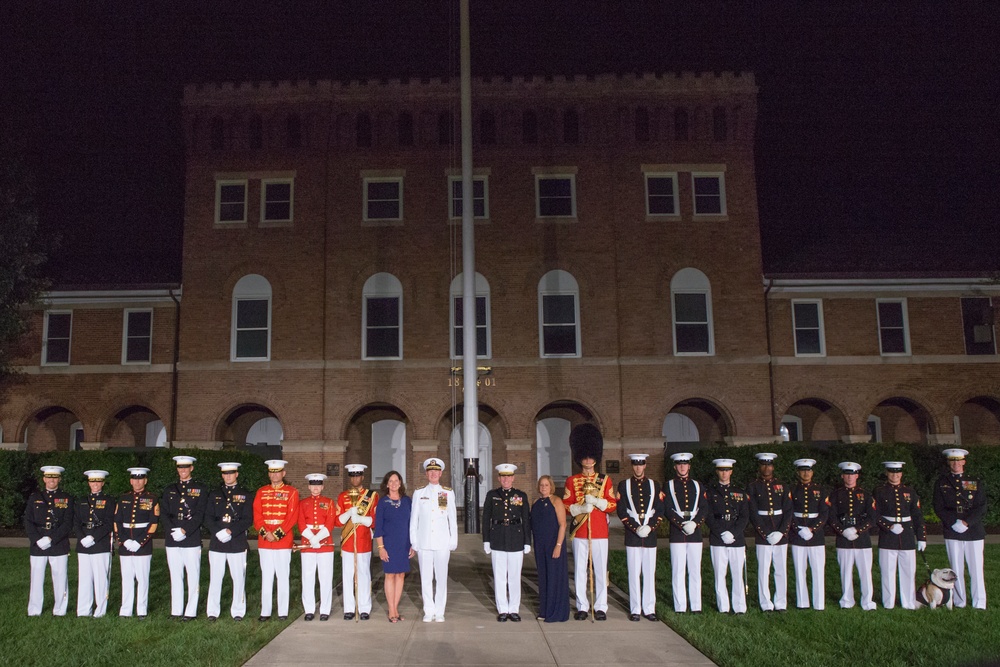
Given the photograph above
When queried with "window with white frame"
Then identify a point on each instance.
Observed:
(276, 197)
(482, 288)
(793, 425)
(138, 337)
(231, 202)
(691, 309)
(874, 427)
(709, 193)
(251, 319)
(555, 195)
(559, 315)
(893, 330)
(383, 198)
(382, 318)
(661, 194)
(480, 196)
(978, 325)
(56, 336)
(807, 322)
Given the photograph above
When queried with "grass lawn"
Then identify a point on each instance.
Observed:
(113, 641)
(834, 636)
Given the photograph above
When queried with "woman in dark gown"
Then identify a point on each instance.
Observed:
(548, 527)
(392, 539)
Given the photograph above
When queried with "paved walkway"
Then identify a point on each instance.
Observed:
(471, 635)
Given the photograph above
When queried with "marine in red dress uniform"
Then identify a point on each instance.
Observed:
(316, 520)
(355, 515)
(275, 511)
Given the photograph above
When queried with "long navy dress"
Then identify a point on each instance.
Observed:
(392, 524)
(553, 573)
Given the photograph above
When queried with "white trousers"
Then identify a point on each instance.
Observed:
(313, 563)
(685, 566)
(961, 552)
(861, 559)
(507, 580)
(733, 559)
(813, 558)
(135, 584)
(217, 561)
(581, 574)
(274, 563)
(60, 586)
(181, 561)
(94, 571)
(641, 563)
(433, 570)
(364, 602)
(905, 561)
(777, 555)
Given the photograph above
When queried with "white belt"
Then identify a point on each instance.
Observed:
(273, 522)
(314, 526)
(135, 525)
(769, 512)
(800, 515)
(897, 519)
(684, 515)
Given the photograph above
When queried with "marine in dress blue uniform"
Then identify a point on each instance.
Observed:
(727, 514)
(94, 524)
(506, 528)
(960, 501)
(640, 508)
(851, 519)
(182, 511)
(48, 521)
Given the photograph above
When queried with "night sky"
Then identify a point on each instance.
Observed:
(878, 131)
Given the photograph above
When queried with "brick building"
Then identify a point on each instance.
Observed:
(619, 281)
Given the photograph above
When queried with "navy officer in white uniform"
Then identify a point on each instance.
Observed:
(434, 535)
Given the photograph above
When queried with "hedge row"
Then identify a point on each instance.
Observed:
(923, 466)
(20, 474)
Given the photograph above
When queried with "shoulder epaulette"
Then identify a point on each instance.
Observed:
(446, 488)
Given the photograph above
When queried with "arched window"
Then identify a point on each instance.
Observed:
(529, 127)
(487, 128)
(293, 131)
(483, 349)
(641, 125)
(250, 338)
(363, 131)
(571, 126)
(681, 131)
(691, 310)
(558, 315)
(405, 128)
(382, 318)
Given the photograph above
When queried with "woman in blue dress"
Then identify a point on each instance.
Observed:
(392, 539)
(548, 527)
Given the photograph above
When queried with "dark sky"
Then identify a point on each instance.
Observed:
(878, 132)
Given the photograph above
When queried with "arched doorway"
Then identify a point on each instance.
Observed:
(815, 420)
(135, 426)
(978, 421)
(254, 427)
(903, 420)
(694, 421)
(54, 428)
(553, 424)
(377, 437)
(457, 449)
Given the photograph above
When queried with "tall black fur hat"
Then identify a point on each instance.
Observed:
(586, 441)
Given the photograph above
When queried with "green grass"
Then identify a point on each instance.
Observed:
(834, 636)
(112, 641)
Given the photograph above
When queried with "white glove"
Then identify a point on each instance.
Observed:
(850, 533)
(44, 542)
(87, 541)
(635, 517)
(896, 529)
(689, 527)
(774, 538)
(486, 548)
(348, 515)
(365, 521)
(131, 545)
(308, 534)
(314, 543)
(805, 533)
(322, 533)
(223, 536)
(177, 534)
(727, 537)
(959, 527)
(921, 545)
(527, 549)
(643, 531)
(590, 500)
(601, 504)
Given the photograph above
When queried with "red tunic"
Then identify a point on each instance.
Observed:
(316, 512)
(275, 510)
(595, 524)
(356, 534)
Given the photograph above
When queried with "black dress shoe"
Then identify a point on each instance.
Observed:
(652, 617)
(310, 617)
(264, 618)
(349, 616)
(237, 618)
(185, 619)
(580, 616)
(364, 616)
(324, 617)
(634, 617)
(282, 618)
(514, 617)
(141, 616)
(175, 617)
(600, 616)
(213, 618)
(501, 618)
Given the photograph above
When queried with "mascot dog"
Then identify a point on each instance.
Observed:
(938, 590)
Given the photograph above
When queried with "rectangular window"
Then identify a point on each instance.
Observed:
(894, 336)
(559, 326)
(252, 329)
(691, 325)
(276, 200)
(382, 328)
(977, 322)
(556, 196)
(482, 328)
(383, 198)
(480, 197)
(661, 194)
(138, 338)
(231, 202)
(56, 338)
(709, 194)
(807, 322)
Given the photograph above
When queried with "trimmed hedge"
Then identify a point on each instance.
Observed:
(20, 474)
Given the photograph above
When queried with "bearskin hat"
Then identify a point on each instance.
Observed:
(585, 441)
